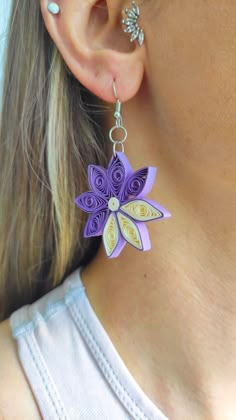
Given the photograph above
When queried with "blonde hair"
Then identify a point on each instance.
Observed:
(50, 130)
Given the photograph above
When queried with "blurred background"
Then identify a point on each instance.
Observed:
(4, 15)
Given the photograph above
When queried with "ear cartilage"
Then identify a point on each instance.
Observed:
(53, 8)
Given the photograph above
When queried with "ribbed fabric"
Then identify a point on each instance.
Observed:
(70, 362)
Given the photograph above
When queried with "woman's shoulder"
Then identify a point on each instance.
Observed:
(16, 399)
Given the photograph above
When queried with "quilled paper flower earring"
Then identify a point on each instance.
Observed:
(116, 203)
(131, 23)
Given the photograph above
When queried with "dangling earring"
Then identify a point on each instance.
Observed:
(53, 8)
(131, 23)
(117, 205)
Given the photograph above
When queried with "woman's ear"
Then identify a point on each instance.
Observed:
(90, 38)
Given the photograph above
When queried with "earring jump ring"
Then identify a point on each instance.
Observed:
(124, 132)
(115, 146)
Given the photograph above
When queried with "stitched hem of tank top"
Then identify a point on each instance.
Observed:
(39, 317)
(105, 365)
(46, 378)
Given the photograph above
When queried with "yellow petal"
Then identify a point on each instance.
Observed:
(130, 231)
(110, 235)
(141, 210)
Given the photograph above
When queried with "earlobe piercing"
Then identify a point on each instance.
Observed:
(131, 23)
(53, 8)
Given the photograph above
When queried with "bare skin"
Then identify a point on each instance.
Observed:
(174, 307)
(171, 312)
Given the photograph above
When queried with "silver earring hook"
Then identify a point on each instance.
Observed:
(114, 90)
(117, 113)
(119, 124)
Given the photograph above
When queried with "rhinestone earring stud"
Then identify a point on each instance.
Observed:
(131, 22)
(53, 8)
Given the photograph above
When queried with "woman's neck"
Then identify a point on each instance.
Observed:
(174, 307)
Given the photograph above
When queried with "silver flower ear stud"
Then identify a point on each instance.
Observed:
(53, 8)
(131, 23)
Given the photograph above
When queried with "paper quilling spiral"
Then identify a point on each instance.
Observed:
(117, 205)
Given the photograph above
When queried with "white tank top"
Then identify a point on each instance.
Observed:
(72, 366)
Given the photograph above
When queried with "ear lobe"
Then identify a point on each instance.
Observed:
(90, 38)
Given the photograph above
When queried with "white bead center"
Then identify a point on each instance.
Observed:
(114, 204)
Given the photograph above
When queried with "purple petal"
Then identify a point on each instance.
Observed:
(139, 184)
(98, 181)
(90, 202)
(118, 170)
(96, 223)
(116, 173)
